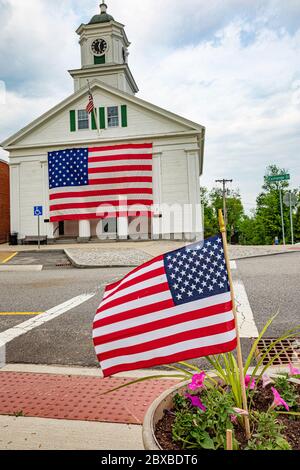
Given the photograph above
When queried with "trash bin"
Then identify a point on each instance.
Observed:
(13, 238)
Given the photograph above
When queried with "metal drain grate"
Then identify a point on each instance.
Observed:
(287, 350)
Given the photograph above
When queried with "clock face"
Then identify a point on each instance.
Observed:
(99, 47)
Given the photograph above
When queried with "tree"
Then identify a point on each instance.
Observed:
(210, 219)
(235, 210)
(268, 212)
(264, 223)
(213, 201)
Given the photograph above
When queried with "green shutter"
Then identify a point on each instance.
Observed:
(124, 115)
(72, 121)
(102, 118)
(94, 124)
(98, 60)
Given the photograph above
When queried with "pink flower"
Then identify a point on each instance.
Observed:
(240, 412)
(293, 370)
(278, 400)
(250, 383)
(233, 419)
(196, 402)
(197, 381)
(266, 380)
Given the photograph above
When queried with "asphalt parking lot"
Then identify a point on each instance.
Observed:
(54, 259)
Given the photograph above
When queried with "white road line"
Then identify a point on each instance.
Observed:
(233, 265)
(55, 312)
(247, 326)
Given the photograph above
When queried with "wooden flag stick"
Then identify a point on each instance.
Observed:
(229, 445)
(94, 111)
(239, 349)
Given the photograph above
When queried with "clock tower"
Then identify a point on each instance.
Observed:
(104, 54)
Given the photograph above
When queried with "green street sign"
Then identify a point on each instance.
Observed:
(273, 179)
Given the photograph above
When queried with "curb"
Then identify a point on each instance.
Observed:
(107, 266)
(264, 255)
(87, 266)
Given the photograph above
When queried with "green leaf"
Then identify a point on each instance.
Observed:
(179, 369)
(255, 344)
(292, 413)
(190, 366)
(208, 444)
(143, 379)
(283, 443)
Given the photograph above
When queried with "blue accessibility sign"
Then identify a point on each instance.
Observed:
(38, 211)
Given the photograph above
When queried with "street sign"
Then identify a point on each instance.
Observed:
(275, 178)
(38, 211)
(290, 199)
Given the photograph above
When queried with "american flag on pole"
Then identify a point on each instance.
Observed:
(173, 308)
(82, 179)
(90, 107)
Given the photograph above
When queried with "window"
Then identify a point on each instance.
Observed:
(113, 116)
(99, 60)
(83, 119)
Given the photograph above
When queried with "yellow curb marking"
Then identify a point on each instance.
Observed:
(6, 314)
(9, 258)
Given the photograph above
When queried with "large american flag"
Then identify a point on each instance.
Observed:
(174, 308)
(82, 179)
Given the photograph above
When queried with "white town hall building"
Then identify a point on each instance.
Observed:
(122, 119)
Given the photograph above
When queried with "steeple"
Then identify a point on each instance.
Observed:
(104, 53)
(103, 17)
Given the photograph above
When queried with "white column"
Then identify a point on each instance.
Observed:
(156, 227)
(84, 231)
(53, 227)
(195, 226)
(123, 228)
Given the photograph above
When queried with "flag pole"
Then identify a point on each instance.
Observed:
(94, 111)
(239, 349)
(229, 445)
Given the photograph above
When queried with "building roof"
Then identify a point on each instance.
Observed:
(104, 17)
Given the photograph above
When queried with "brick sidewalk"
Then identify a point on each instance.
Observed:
(77, 397)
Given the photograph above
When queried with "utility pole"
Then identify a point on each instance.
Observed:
(282, 218)
(224, 182)
(291, 217)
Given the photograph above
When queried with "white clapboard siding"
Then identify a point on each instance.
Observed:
(140, 122)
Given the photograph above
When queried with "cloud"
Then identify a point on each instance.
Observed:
(232, 66)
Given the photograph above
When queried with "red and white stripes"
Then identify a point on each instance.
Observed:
(119, 179)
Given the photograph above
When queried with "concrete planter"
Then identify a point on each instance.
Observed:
(165, 402)
(155, 414)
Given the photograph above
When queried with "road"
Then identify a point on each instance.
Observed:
(271, 283)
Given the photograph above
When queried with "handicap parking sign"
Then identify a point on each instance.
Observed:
(38, 211)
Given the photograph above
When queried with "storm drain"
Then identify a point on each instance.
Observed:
(284, 352)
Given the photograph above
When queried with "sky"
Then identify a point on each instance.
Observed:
(231, 65)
